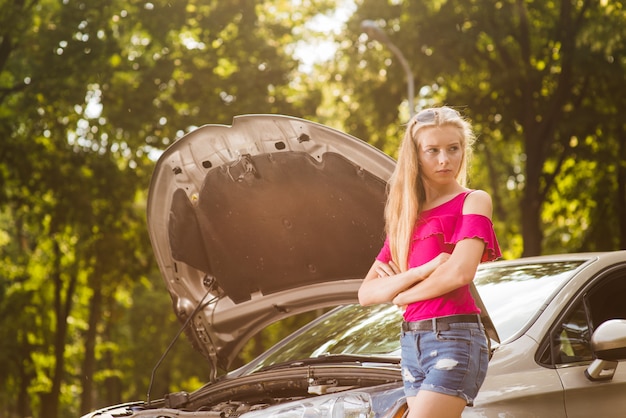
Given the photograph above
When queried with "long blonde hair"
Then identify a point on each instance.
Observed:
(406, 193)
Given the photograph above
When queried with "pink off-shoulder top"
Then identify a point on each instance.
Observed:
(438, 230)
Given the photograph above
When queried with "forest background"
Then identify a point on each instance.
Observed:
(92, 91)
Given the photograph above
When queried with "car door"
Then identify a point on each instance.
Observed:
(571, 354)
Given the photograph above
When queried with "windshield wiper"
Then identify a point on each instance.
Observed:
(333, 359)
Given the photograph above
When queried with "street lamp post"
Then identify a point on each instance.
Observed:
(373, 31)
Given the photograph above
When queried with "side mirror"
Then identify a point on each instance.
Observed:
(608, 344)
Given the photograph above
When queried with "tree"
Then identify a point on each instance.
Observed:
(524, 73)
(90, 92)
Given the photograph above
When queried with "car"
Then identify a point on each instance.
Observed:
(274, 216)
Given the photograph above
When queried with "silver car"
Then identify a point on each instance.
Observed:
(274, 216)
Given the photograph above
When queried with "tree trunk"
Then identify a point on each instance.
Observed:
(110, 392)
(531, 201)
(621, 193)
(50, 401)
(531, 228)
(26, 376)
(89, 361)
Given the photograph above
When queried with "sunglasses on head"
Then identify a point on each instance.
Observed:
(433, 115)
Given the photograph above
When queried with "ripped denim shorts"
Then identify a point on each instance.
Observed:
(452, 360)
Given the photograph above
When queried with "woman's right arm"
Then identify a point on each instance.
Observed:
(384, 281)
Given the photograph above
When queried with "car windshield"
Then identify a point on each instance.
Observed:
(514, 294)
(351, 329)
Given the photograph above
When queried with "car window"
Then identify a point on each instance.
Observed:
(572, 340)
(603, 301)
(607, 299)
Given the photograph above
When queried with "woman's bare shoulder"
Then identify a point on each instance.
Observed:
(478, 202)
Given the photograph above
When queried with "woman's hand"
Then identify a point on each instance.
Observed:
(437, 261)
(426, 270)
(387, 269)
(423, 272)
(385, 281)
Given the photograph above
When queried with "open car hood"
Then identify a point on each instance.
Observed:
(261, 220)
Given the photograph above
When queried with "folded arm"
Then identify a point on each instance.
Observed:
(384, 281)
(458, 271)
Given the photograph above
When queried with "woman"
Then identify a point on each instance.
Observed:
(438, 231)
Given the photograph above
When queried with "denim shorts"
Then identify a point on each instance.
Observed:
(453, 361)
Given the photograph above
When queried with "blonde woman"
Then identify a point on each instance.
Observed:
(438, 231)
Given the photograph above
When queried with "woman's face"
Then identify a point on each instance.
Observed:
(441, 153)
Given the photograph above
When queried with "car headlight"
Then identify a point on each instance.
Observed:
(349, 405)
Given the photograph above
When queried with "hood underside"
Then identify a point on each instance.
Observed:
(260, 220)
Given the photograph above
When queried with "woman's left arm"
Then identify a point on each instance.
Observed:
(460, 268)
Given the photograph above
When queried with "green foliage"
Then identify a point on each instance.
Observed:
(91, 92)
